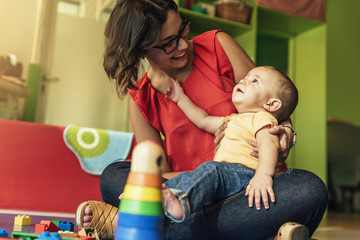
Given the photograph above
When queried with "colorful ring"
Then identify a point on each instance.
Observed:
(142, 193)
(144, 179)
(141, 208)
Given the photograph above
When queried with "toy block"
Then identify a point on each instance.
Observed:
(66, 226)
(22, 220)
(141, 211)
(25, 236)
(50, 226)
(40, 228)
(86, 238)
(56, 222)
(71, 237)
(88, 232)
(22, 228)
(67, 233)
(3, 233)
(47, 236)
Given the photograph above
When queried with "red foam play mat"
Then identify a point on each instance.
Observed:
(38, 172)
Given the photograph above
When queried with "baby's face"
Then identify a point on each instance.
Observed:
(252, 92)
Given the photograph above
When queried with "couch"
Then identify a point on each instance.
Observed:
(39, 172)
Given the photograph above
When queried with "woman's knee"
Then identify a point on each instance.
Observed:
(309, 180)
(301, 188)
(113, 180)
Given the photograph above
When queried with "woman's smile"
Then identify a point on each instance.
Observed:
(178, 55)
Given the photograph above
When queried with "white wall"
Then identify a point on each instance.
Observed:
(83, 95)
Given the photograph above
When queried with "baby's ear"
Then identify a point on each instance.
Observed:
(273, 104)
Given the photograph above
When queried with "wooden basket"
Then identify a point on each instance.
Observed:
(238, 11)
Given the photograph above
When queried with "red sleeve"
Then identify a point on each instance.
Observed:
(145, 99)
(209, 54)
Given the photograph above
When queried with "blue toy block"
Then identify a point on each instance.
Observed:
(3, 233)
(47, 236)
(66, 226)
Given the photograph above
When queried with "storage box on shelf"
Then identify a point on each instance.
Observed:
(235, 10)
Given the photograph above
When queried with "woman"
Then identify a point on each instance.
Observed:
(207, 67)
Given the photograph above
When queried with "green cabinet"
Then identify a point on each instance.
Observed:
(297, 46)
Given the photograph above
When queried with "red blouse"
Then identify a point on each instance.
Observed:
(209, 86)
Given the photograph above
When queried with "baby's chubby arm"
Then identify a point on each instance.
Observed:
(197, 115)
(260, 186)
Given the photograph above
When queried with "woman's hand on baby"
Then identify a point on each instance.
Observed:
(219, 134)
(260, 187)
(285, 144)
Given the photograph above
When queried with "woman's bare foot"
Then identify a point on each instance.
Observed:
(88, 217)
(171, 204)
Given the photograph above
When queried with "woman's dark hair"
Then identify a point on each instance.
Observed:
(133, 26)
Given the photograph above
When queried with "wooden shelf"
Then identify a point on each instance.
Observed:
(280, 23)
(202, 22)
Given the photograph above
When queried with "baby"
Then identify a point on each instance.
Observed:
(263, 98)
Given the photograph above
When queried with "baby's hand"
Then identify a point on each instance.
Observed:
(169, 94)
(258, 188)
(176, 92)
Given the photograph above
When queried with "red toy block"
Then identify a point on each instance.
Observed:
(50, 226)
(45, 225)
(40, 228)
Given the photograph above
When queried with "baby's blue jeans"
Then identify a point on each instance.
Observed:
(209, 183)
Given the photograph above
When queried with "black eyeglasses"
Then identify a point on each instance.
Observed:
(173, 44)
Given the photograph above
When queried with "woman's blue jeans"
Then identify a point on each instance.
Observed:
(301, 196)
(209, 183)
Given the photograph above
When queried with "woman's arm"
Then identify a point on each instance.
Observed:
(239, 59)
(143, 130)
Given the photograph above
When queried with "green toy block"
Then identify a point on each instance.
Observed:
(25, 236)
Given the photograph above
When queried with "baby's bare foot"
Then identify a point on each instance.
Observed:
(87, 216)
(171, 204)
